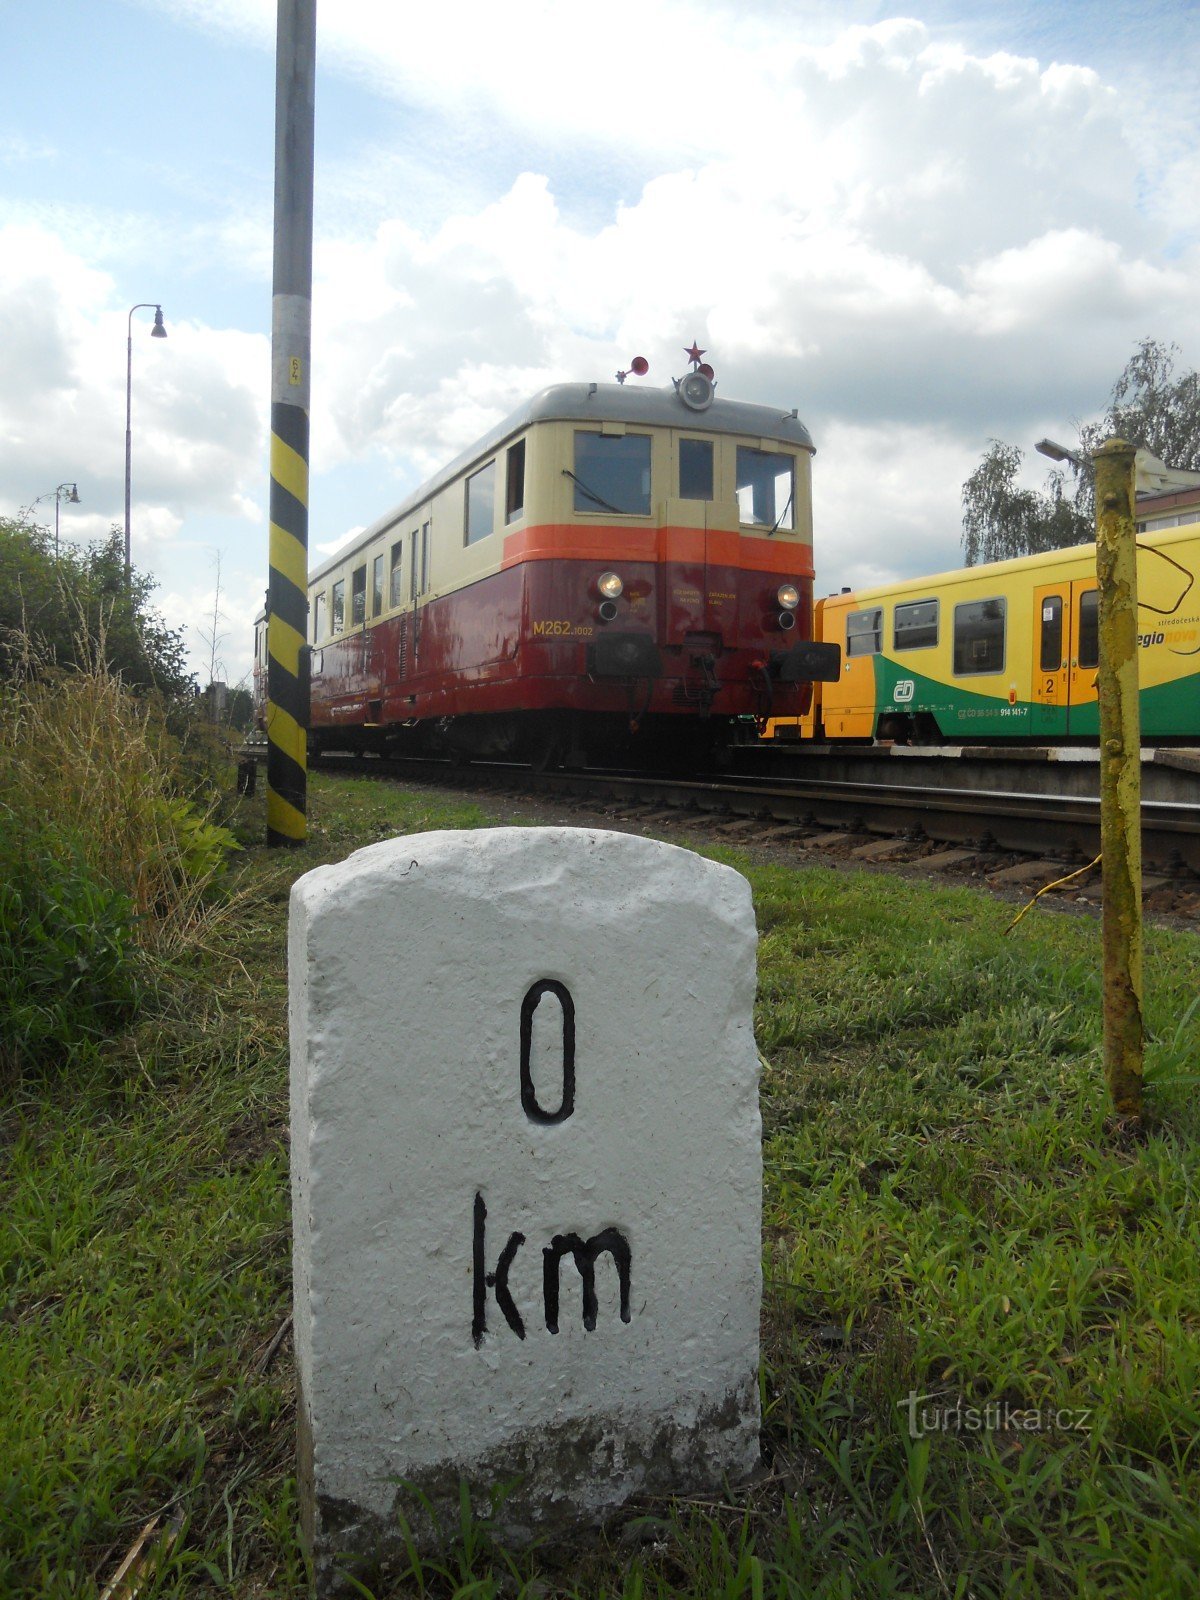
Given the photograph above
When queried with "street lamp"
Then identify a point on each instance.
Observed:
(72, 500)
(1059, 452)
(156, 332)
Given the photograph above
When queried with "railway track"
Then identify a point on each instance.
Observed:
(1063, 829)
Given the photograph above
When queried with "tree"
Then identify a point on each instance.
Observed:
(1001, 520)
(1148, 406)
(56, 611)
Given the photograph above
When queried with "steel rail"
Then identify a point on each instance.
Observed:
(1066, 826)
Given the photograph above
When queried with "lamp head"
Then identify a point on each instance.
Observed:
(73, 497)
(158, 331)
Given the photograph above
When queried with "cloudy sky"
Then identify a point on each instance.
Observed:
(922, 227)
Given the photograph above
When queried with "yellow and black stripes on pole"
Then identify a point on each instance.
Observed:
(287, 624)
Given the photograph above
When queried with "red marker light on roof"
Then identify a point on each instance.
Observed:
(706, 370)
(639, 366)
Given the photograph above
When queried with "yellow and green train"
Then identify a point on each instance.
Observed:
(1007, 651)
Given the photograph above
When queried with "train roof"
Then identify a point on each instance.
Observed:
(596, 402)
(1040, 559)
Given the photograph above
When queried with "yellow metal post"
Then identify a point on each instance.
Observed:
(1120, 774)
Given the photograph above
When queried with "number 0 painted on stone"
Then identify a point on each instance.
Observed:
(529, 1100)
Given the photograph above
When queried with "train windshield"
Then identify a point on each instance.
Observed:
(612, 473)
(765, 489)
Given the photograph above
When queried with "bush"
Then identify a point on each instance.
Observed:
(69, 967)
(107, 857)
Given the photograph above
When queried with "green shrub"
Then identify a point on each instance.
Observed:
(70, 970)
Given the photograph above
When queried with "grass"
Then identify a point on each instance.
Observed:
(949, 1212)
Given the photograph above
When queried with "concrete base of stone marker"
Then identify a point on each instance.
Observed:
(549, 1488)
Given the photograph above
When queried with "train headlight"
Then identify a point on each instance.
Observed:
(696, 391)
(609, 585)
(788, 596)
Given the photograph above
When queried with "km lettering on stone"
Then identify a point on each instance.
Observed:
(584, 1252)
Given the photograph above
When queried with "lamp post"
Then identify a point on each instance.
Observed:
(156, 332)
(72, 500)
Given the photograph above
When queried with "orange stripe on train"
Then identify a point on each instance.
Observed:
(610, 544)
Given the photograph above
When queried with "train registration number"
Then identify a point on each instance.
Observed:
(552, 628)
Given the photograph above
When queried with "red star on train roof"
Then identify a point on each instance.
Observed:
(694, 353)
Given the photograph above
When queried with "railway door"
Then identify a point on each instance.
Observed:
(1051, 673)
(1065, 658)
(1083, 714)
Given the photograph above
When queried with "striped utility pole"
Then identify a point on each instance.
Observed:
(291, 339)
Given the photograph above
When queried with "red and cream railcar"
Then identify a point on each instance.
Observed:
(611, 569)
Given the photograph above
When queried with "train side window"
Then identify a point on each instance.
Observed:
(1050, 659)
(425, 558)
(915, 625)
(765, 489)
(1089, 628)
(612, 473)
(396, 583)
(339, 605)
(979, 637)
(695, 469)
(377, 586)
(864, 632)
(514, 482)
(481, 504)
(414, 540)
(358, 596)
(319, 617)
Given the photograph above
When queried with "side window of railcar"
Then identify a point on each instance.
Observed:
(414, 545)
(481, 503)
(425, 558)
(1089, 628)
(358, 596)
(376, 586)
(514, 482)
(695, 469)
(319, 617)
(979, 637)
(864, 632)
(612, 473)
(915, 625)
(339, 605)
(396, 586)
(765, 488)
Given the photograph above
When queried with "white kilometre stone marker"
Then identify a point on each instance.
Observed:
(526, 1168)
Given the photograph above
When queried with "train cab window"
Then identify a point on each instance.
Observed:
(915, 625)
(319, 617)
(481, 504)
(377, 586)
(1051, 653)
(765, 489)
(514, 482)
(695, 469)
(864, 632)
(358, 596)
(396, 582)
(979, 637)
(1089, 628)
(612, 473)
(339, 606)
